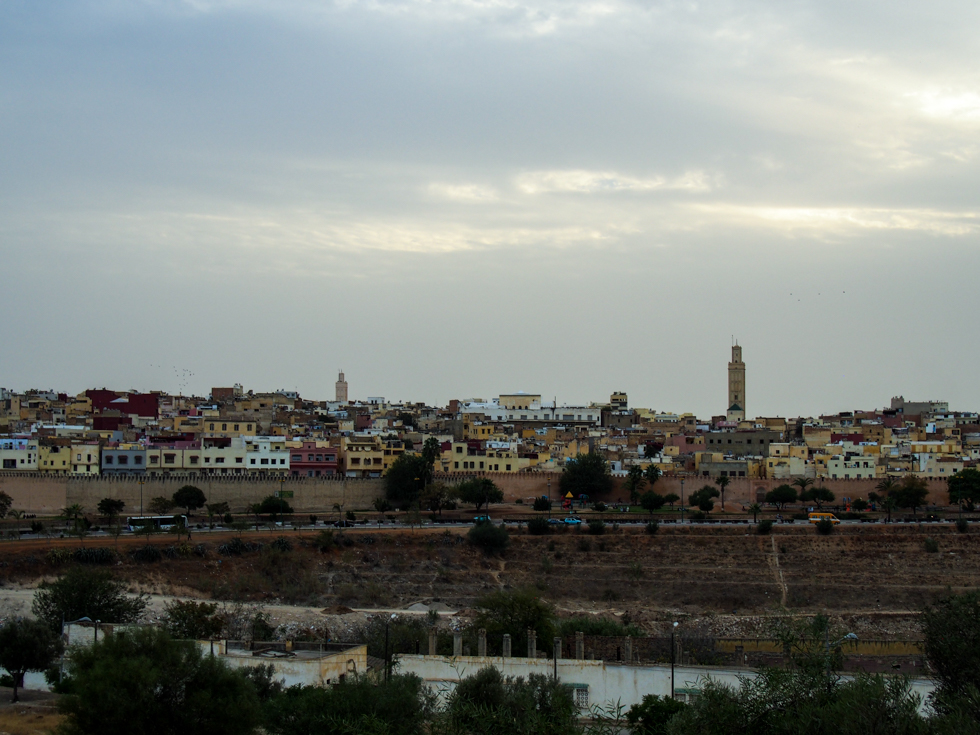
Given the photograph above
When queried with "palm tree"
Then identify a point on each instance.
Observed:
(887, 486)
(72, 513)
(889, 505)
(803, 483)
(722, 482)
(634, 483)
(336, 507)
(755, 509)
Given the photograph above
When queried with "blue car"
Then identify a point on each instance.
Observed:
(572, 521)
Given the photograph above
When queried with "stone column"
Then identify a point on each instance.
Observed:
(580, 645)
(557, 647)
(506, 645)
(481, 642)
(457, 643)
(532, 643)
(628, 648)
(433, 641)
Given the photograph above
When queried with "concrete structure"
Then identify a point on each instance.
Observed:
(736, 386)
(340, 390)
(18, 453)
(295, 662)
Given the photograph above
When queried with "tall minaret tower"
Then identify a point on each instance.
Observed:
(736, 385)
(341, 394)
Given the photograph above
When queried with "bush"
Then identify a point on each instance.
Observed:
(962, 525)
(599, 507)
(282, 544)
(37, 527)
(584, 545)
(541, 504)
(324, 541)
(519, 501)
(825, 527)
(86, 592)
(146, 554)
(764, 528)
(697, 515)
(538, 526)
(488, 537)
(652, 528)
(597, 528)
(932, 546)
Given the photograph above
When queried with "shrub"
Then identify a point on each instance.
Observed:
(324, 541)
(551, 546)
(764, 528)
(584, 545)
(541, 504)
(698, 515)
(962, 525)
(932, 546)
(282, 544)
(488, 537)
(146, 554)
(825, 527)
(599, 507)
(519, 501)
(538, 526)
(652, 528)
(37, 527)
(597, 528)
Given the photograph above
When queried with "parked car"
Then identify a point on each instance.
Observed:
(482, 519)
(344, 524)
(572, 521)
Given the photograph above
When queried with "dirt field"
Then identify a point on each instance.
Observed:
(727, 578)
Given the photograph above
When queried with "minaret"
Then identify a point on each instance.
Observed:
(736, 385)
(341, 394)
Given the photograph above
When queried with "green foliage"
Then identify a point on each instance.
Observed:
(817, 495)
(652, 473)
(324, 541)
(160, 506)
(26, 645)
(671, 498)
(405, 634)
(189, 497)
(764, 528)
(542, 504)
(488, 537)
(652, 528)
(635, 482)
(192, 620)
(964, 487)
(651, 715)
(110, 507)
(283, 544)
(480, 491)
(599, 507)
(145, 682)
(538, 526)
(651, 501)
(146, 554)
(859, 504)
(5, 502)
(404, 480)
(84, 592)
(825, 526)
(355, 705)
(513, 612)
(704, 498)
(271, 505)
(597, 528)
(952, 644)
(781, 495)
(931, 545)
(587, 474)
(962, 525)
(487, 703)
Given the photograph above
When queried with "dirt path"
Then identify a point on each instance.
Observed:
(774, 563)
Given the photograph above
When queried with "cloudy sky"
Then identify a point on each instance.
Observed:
(457, 198)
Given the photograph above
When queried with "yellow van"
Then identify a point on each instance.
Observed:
(817, 517)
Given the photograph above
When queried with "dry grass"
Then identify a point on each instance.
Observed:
(18, 720)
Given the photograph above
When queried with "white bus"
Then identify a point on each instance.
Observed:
(157, 523)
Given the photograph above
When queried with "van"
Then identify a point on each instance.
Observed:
(817, 517)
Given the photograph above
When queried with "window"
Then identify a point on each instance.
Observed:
(239, 460)
(508, 468)
(89, 457)
(217, 460)
(137, 460)
(248, 427)
(309, 458)
(264, 460)
(459, 450)
(481, 465)
(122, 459)
(319, 458)
(79, 459)
(224, 427)
(455, 465)
(154, 460)
(169, 458)
(355, 460)
(212, 427)
(582, 698)
(236, 427)
(252, 461)
(207, 460)
(108, 459)
(296, 458)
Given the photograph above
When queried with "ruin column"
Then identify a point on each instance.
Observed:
(557, 647)
(629, 649)
(506, 645)
(580, 645)
(532, 643)
(433, 640)
(457, 643)
(481, 642)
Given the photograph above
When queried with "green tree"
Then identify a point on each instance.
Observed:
(671, 498)
(889, 504)
(703, 498)
(110, 508)
(755, 509)
(355, 705)
(160, 506)
(431, 451)
(488, 537)
(542, 504)
(803, 483)
(271, 505)
(5, 502)
(404, 479)
(963, 486)
(480, 491)
(652, 714)
(912, 493)
(817, 495)
(859, 504)
(951, 629)
(26, 645)
(189, 498)
(587, 474)
(652, 502)
(146, 682)
(781, 495)
(438, 495)
(73, 514)
(634, 483)
(216, 509)
(193, 620)
(652, 474)
(513, 612)
(86, 592)
(722, 483)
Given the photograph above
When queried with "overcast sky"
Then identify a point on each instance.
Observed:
(458, 198)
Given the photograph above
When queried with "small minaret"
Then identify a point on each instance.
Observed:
(341, 394)
(736, 386)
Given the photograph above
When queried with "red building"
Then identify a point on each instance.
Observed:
(313, 461)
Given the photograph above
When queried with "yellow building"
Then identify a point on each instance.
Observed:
(226, 427)
(86, 458)
(54, 458)
(362, 456)
(162, 460)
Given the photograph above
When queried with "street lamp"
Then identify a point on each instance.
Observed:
(673, 651)
(826, 633)
(682, 500)
(141, 495)
(387, 656)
